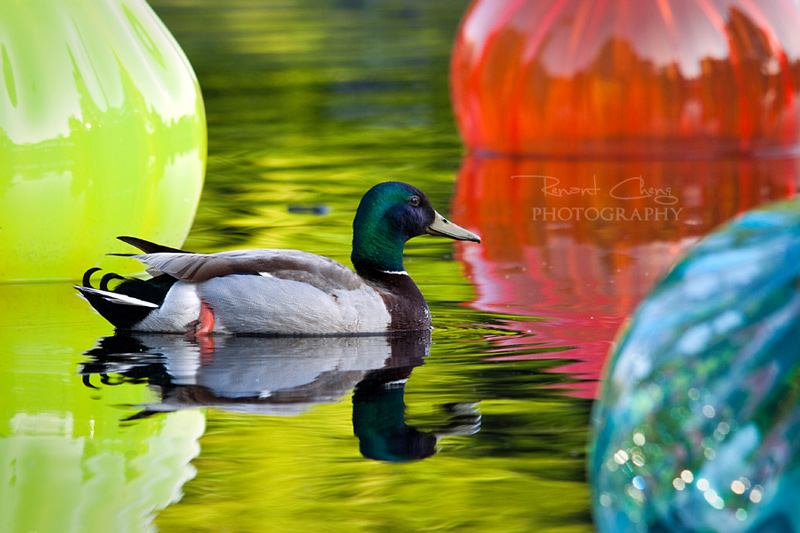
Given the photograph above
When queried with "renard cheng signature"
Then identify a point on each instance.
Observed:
(628, 189)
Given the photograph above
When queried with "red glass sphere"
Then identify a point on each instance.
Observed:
(638, 78)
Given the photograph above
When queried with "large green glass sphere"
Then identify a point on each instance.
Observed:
(102, 133)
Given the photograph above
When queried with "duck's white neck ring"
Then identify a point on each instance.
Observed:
(396, 272)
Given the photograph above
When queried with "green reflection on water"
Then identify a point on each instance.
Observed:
(314, 102)
(67, 464)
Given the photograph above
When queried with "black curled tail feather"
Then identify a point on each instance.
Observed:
(87, 282)
(108, 277)
(124, 314)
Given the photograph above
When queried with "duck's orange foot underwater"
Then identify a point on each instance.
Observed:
(204, 325)
(205, 321)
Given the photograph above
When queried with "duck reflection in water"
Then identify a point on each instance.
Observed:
(284, 376)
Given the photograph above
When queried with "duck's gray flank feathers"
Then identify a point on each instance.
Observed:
(259, 304)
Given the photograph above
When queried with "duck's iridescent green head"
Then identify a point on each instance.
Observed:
(389, 214)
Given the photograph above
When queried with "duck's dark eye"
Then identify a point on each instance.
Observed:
(414, 201)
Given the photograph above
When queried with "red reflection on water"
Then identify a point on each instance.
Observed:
(580, 243)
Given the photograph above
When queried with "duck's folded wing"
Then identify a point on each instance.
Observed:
(305, 267)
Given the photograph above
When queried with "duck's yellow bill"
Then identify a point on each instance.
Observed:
(444, 228)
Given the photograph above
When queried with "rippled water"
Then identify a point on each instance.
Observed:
(481, 427)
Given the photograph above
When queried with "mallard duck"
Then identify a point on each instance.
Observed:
(284, 292)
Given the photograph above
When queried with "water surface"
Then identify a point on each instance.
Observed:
(481, 427)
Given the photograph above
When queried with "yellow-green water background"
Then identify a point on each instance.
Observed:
(309, 103)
